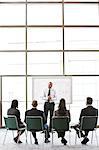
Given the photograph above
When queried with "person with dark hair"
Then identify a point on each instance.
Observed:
(14, 111)
(62, 111)
(49, 95)
(88, 111)
(35, 112)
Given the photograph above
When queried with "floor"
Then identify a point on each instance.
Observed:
(10, 145)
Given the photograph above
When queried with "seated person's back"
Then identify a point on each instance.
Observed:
(35, 112)
(14, 111)
(62, 111)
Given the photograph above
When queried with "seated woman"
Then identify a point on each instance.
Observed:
(14, 111)
(62, 111)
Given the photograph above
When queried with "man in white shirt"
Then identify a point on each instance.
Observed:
(49, 96)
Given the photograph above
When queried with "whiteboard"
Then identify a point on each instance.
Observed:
(62, 86)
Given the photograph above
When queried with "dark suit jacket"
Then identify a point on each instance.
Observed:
(16, 112)
(88, 111)
(35, 112)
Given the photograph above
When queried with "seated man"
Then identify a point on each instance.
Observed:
(14, 111)
(88, 111)
(35, 112)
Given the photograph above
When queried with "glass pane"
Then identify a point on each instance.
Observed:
(6, 17)
(82, 63)
(45, 63)
(81, 14)
(83, 87)
(12, 39)
(81, 38)
(44, 38)
(13, 88)
(12, 63)
(42, 14)
(29, 93)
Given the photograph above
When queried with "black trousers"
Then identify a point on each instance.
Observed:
(77, 128)
(61, 134)
(46, 132)
(49, 107)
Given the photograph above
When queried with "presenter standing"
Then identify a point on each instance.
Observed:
(49, 95)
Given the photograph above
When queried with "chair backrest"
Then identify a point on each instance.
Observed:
(34, 123)
(60, 123)
(11, 122)
(88, 122)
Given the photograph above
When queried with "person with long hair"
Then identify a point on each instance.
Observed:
(14, 111)
(62, 111)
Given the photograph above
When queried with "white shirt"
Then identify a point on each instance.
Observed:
(52, 94)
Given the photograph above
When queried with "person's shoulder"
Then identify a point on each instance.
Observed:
(56, 111)
(40, 111)
(9, 109)
(17, 109)
(29, 110)
(52, 89)
(68, 111)
(95, 108)
(83, 110)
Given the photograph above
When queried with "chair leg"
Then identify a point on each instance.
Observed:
(30, 137)
(96, 137)
(69, 138)
(75, 138)
(52, 136)
(5, 136)
(92, 137)
(26, 136)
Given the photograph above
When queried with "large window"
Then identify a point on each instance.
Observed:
(48, 39)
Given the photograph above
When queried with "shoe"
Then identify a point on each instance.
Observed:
(42, 132)
(16, 140)
(82, 135)
(36, 142)
(19, 142)
(72, 127)
(85, 140)
(48, 135)
(64, 141)
(47, 141)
